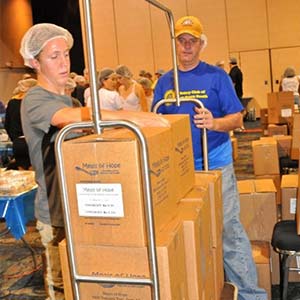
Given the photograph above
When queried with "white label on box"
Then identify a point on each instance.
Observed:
(298, 263)
(286, 112)
(100, 200)
(293, 203)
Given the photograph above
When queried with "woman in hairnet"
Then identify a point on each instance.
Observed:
(13, 125)
(131, 92)
(291, 83)
(45, 109)
(108, 96)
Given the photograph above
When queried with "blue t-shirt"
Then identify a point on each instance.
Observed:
(213, 87)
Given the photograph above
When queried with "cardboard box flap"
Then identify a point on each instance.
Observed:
(246, 186)
(289, 181)
(115, 135)
(283, 137)
(256, 186)
(175, 117)
(265, 142)
(265, 186)
(267, 138)
(261, 252)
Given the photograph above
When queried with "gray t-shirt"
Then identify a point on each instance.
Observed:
(37, 110)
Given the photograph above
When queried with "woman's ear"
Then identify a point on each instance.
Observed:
(35, 64)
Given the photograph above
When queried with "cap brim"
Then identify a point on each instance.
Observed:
(191, 32)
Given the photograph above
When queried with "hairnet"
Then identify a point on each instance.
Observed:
(105, 73)
(145, 82)
(70, 84)
(142, 73)
(289, 72)
(123, 71)
(79, 79)
(160, 72)
(232, 60)
(220, 63)
(38, 36)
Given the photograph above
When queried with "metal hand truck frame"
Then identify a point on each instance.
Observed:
(98, 125)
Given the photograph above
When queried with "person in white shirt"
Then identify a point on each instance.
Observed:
(131, 92)
(290, 83)
(108, 96)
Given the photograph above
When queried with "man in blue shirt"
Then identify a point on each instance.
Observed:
(222, 113)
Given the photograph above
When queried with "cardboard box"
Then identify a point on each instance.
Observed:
(280, 107)
(277, 181)
(258, 211)
(284, 144)
(66, 273)
(218, 265)
(105, 187)
(274, 129)
(234, 143)
(131, 262)
(208, 189)
(214, 181)
(264, 116)
(265, 157)
(195, 217)
(183, 153)
(261, 256)
(289, 188)
(298, 207)
(295, 135)
(190, 218)
(264, 129)
(210, 181)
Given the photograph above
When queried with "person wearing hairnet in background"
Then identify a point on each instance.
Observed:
(131, 92)
(212, 86)
(108, 96)
(13, 125)
(45, 109)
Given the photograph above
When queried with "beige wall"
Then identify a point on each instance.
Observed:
(137, 34)
(15, 19)
(263, 35)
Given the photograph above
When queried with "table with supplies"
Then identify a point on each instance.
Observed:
(17, 193)
(18, 210)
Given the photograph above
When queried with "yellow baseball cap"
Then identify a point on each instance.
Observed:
(190, 25)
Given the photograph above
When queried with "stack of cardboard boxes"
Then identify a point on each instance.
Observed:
(295, 133)
(280, 107)
(266, 160)
(106, 198)
(289, 190)
(258, 214)
(262, 205)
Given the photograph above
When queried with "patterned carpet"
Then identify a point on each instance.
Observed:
(20, 279)
(21, 275)
(244, 164)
